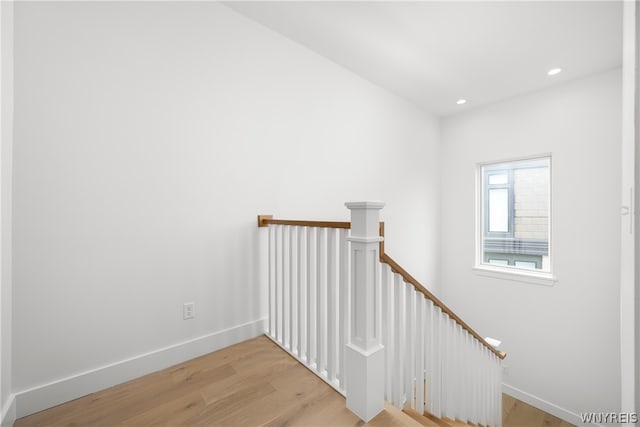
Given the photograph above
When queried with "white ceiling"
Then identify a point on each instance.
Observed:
(434, 53)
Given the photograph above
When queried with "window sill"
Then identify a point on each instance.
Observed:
(545, 279)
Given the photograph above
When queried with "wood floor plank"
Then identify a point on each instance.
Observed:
(253, 383)
(392, 416)
(295, 386)
(259, 372)
(178, 412)
(516, 413)
(307, 414)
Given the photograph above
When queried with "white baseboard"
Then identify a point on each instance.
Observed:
(8, 412)
(564, 414)
(47, 395)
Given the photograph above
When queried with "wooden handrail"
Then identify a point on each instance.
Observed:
(410, 279)
(418, 286)
(265, 220)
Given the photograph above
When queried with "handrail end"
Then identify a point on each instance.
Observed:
(502, 354)
(262, 220)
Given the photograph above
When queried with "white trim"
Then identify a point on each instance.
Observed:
(515, 159)
(8, 413)
(371, 204)
(629, 389)
(365, 352)
(56, 392)
(545, 279)
(553, 409)
(536, 278)
(358, 239)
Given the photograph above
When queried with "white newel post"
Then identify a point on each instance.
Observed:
(364, 352)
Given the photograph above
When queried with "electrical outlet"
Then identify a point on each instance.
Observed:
(188, 310)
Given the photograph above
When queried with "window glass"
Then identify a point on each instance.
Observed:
(498, 178)
(515, 214)
(525, 264)
(499, 210)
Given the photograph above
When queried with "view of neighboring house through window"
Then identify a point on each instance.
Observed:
(516, 214)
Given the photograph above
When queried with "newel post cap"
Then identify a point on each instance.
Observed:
(365, 221)
(368, 204)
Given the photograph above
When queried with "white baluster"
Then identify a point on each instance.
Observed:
(446, 361)
(410, 312)
(485, 389)
(482, 401)
(344, 294)
(285, 284)
(281, 302)
(332, 299)
(278, 262)
(455, 372)
(461, 412)
(384, 331)
(270, 323)
(499, 392)
(437, 363)
(310, 296)
(321, 288)
(447, 381)
(398, 296)
(299, 290)
(429, 355)
(419, 354)
(387, 326)
(470, 372)
(464, 376)
(476, 381)
(308, 292)
(290, 285)
(444, 357)
(493, 383)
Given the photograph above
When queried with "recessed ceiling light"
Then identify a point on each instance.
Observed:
(554, 71)
(461, 101)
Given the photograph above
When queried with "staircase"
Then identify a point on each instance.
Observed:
(352, 315)
(431, 420)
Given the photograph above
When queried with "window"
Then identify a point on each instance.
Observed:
(514, 226)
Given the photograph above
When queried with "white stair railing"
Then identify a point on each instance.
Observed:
(433, 361)
(307, 292)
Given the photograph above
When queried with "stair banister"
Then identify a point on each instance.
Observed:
(352, 315)
(365, 353)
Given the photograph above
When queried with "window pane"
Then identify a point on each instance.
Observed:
(499, 178)
(526, 264)
(499, 210)
(516, 214)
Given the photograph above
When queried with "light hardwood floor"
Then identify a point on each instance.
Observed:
(516, 413)
(253, 383)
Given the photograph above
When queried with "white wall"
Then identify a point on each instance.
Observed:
(7, 411)
(563, 341)
(148, 136)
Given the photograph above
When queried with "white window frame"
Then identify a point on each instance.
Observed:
(511, 273)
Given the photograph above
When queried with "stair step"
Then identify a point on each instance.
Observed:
(456, 423)
(430, 420)
(419, 418)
